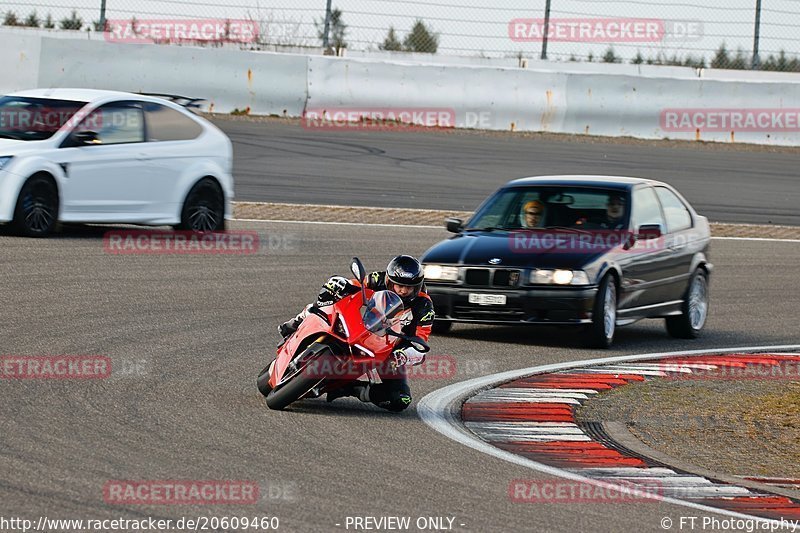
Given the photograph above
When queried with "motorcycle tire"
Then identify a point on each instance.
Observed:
(297, 387)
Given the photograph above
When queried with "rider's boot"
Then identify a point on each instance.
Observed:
(290, 326)
(357, 391)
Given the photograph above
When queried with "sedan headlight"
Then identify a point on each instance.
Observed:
(4, 160)
(559, 277)
(441, 273)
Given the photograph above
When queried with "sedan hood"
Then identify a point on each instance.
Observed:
(482, 248)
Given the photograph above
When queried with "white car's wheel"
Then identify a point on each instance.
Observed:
(36, 213)
(204, 208)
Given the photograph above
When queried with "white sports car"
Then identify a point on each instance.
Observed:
(90, 156)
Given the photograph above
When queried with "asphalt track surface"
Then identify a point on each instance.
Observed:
(284, 162)
(197, 329)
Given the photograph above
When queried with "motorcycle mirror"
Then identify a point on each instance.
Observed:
(358, 270)
(357, 267)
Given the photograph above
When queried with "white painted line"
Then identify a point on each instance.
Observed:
(531, 431)
(443, 212)
(556, 427)
(562, 391)
(716, 491)
(485, 396)
(439, 411)
(626, 471)
(555, 391)
(756, 239)
(694, 366)
(537, 393)
(522, 424)
(335, 223)
(498, 437)
(663, 367)
(623, 371)
(682, 481)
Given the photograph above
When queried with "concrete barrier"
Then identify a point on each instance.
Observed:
(19, 62)
(621, 100)
(484, 98)
(266, 83)
(514, 99)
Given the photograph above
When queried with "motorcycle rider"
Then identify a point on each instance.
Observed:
(405, 277)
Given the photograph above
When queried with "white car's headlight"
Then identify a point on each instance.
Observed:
(4, 161)
(559, 277)
(441, 273)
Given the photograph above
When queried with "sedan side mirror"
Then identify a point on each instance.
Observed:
(649, 231)
(454, 225)
(86, 137)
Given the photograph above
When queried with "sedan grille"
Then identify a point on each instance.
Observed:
(477, 276)
(487, 277)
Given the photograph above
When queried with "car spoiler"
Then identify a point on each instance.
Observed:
(185, 101)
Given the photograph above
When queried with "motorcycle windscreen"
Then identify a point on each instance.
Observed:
(382, 311)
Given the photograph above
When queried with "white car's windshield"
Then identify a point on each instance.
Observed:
(34, 119)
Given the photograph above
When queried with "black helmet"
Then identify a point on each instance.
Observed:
(405, 270)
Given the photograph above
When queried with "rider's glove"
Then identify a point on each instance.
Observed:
(336, 285)
(407, 356)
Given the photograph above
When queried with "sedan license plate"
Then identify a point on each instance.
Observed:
(487, 299)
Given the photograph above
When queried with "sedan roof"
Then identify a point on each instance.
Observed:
(613, 182)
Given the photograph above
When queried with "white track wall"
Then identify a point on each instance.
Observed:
(625, 100)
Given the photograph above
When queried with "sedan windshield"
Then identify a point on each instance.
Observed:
(548, 207)
(34, 119)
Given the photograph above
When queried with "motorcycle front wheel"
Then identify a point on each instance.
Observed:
(301, 382)
(263, 380)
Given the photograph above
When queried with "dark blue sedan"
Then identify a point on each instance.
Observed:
(596, 252)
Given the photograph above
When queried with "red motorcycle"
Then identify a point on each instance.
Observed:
(336, 345)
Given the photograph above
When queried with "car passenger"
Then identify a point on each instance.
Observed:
(613, 218)
(615, 212)
(532, 214)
